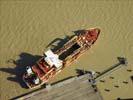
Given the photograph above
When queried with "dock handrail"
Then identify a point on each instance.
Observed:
(122, 61)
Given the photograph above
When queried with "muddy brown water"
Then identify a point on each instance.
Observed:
(27, 27)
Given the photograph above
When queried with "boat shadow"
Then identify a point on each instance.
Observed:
(59, 42)
(25, 59)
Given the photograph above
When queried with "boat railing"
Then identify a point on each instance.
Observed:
(47, 74)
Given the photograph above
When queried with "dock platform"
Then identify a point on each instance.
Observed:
(75, 88)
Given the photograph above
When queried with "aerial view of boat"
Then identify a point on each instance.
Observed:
(54, 62)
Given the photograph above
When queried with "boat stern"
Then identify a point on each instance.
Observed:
(30, 78)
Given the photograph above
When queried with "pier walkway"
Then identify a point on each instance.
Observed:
(75, 88)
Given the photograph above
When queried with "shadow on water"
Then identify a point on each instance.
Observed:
(42, 87)
(124, 99)
(121, 61)
(59, 42)
(131, 78)
(77, 32)
(62, 80)
(81, 72)
(25, 59)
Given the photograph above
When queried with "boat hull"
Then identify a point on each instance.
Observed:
(68, 53)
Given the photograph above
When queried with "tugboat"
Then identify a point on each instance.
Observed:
(54, 62)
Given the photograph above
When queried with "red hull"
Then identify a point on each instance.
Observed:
(45, 69)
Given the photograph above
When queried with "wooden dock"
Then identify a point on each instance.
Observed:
(75, 88)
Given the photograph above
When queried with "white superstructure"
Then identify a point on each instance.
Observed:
(53, 59)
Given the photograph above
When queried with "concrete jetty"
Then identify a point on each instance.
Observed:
(75, 88)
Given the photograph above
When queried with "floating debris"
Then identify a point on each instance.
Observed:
(95, 88)
(108, 90)
(124, 99)
(129, 70)
(118, 99)
(98, 72)
(89, 80)
(125, 82)
(131, 77)
(116, 86)
(102, 81)
(111, 77)
(122, 61)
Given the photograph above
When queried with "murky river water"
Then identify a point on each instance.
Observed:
(26, 27)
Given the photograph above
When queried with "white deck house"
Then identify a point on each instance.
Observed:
(53, 59)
